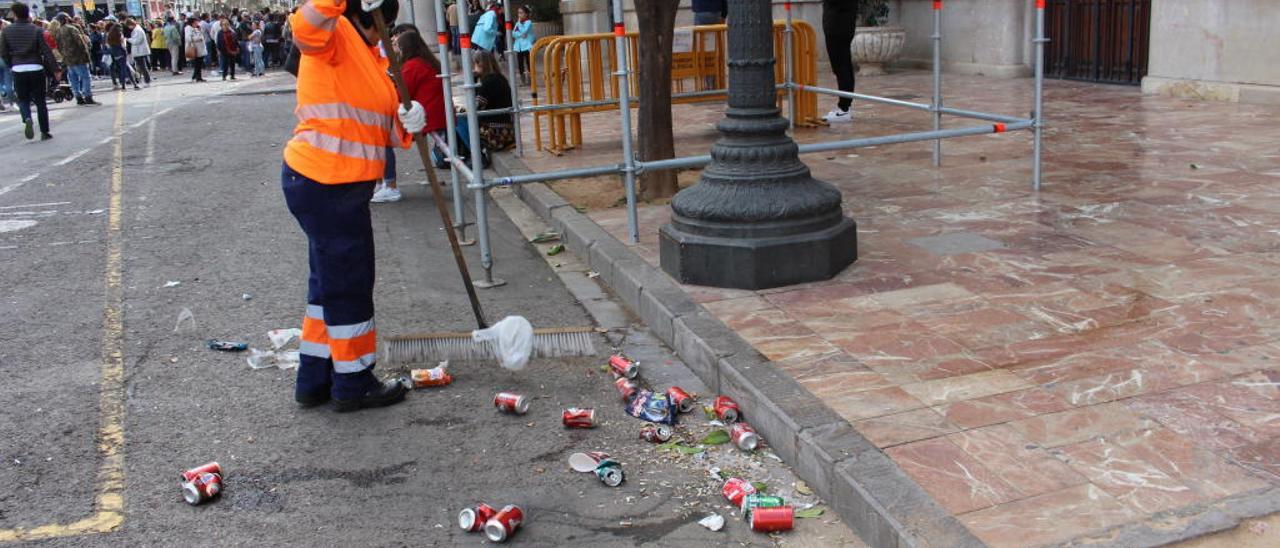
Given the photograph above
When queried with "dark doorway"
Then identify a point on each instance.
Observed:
(1098, 40)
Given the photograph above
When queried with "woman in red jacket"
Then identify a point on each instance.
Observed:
(420, 70)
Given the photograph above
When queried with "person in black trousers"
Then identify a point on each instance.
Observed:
(839, 20)
(23, 48)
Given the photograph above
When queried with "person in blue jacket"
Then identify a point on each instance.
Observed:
(484, 35)
(522, 40)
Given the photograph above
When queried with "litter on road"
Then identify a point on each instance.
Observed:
(726, 410)
(226, 346)
(428, 378)
(510, 402)
(575, 417)
(502, 525)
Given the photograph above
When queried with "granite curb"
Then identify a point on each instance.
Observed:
(861, 484)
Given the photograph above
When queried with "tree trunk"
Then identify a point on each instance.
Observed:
(657, 20)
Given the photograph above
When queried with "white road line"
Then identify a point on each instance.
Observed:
(30, 178)
(45, 204)
(72, 157)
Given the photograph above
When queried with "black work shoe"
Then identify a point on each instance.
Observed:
(79, 100)
(390, 392)
(306, 401)
(45, 136)
(28, 131)
(90, 101)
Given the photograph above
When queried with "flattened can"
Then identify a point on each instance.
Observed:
(680, 399)
(751, 502)
(626, 388)
(472, 520)
(736, 489)
(511, 402)
(202, 488)
(770, 520)
(623, 366)
(727, 410)
(656, 433)
(579, 418)
(503, 524)
(744, 436)
(610, 473)
(207, 468)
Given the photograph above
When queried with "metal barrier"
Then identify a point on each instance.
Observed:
(573, 79)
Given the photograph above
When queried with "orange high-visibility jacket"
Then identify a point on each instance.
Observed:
(346, 102)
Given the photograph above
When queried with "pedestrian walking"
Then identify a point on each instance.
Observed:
(116, 44)
(139, 49)
(159, 47)
(451, 15)
(485, 32)
(347, 110)
(228, 49)
(6, 77)
(421, 70)
(839, 21)
(74, 46)
(173, 39)
(196, 48)
(28, 55)
(271, 41)
(256, 50)
(522, 39)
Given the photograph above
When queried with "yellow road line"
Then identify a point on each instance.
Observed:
(108, 502)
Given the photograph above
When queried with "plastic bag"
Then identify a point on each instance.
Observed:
(512, 340)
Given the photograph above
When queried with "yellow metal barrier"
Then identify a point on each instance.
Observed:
(572, 75)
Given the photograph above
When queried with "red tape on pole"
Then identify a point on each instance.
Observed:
(510, 26)
(1039, 4)
(619, 29)
(442, 38)
(464, 42)
(937, 4)
(1000, 128)
(786, 6)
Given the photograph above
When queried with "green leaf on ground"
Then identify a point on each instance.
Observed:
(669, 446)
(810, 512)
(689, 449)
(716, 437)
(761, 487)
(556, 249)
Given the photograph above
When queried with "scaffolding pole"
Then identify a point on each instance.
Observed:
(446, 82)
(624, 98)
(477, 159)
(937, 80)
(512, 75)
(1038, 114)
(790, 48)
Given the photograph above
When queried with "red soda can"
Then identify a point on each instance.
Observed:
(626, 387)
(735, 489)
(202, 488)
(681, 399)
(511, 402)
(502, 525)
(579, 418)
(727, 410)
(207, 468)
(655, 433)
(770, 520)
(472, 520)
(744, 436)
(623, 366)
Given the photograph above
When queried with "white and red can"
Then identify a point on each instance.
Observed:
(202, 488)
(770, 520)
(472, 520)
(575, 417)
(207, 468)
(511, 402)
(623, 366)
(656, 433)
(626, 388)
(502, 525)
(736, 489)
(744, 436)
(727, 410)
(587, 462)
(682, 401)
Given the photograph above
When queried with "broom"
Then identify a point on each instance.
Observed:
(463, 346)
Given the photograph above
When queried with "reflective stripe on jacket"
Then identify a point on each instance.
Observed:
(346, 102)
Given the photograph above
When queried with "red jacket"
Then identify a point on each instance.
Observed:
(424, 87)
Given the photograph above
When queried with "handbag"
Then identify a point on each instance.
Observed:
(192, 52)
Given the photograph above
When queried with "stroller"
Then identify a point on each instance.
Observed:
(58, 89)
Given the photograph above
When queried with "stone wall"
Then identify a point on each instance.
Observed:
(1217, 50)
(989, 37)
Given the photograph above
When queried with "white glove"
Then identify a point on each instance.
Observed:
(370, 5)
(413, 119)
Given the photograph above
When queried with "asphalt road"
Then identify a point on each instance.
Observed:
(200, 204)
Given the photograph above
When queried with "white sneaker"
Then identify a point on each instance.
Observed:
(837, 116)
(386, 194)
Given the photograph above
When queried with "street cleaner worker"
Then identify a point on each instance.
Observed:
(348, 113)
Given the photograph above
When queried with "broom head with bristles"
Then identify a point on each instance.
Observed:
(461, 347)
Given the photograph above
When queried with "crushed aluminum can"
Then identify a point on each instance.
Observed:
(650, 407)
(426, 378)
(472, 520)
(626, 388)
(503, 524)
(587, 462)
(610, 473)
(206, 468)
(727, 410)
(226, 346)
(682, 401)
(736, 489)
(202, 488)
(623, 366)
(772, 520)
(751, 502)
(744, 436)
(579, 417)
(510, 402)
(656, 433)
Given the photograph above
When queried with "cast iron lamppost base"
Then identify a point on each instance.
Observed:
(757, 218)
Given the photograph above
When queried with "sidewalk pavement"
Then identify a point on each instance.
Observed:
(1093, 362)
